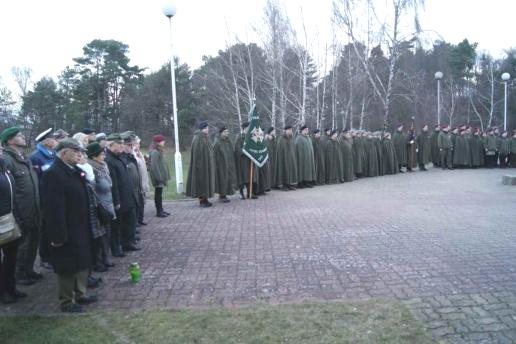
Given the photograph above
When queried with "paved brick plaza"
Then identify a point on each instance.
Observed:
(444, 242)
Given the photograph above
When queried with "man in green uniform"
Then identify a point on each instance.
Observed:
(477, 150)
(435, 155)
(305, 159)
(503, 149)
(390, 160)
(201, 173)
(445, 148)
(423, 144)
(270, 142)
(333, 160)
(346, 145)
(512, 148)
(318, 157)
(286, 164)
(225, 172)
(358, 154)
(244, 165)
(491, 149)
(399, 139)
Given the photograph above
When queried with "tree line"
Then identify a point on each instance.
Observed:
(375, 73)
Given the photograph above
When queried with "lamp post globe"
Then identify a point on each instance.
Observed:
(169, 10)
(506, 76)
(438, 75)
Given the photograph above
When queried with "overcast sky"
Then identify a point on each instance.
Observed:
(46, 35)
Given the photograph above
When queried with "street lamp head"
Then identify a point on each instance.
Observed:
(438, 75)
(506, 76)
(169, 10)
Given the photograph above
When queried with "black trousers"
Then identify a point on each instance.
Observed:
(491, 160)
(44, 245)
(158, 199)
(123, 230)
(8, 267)
(27, 251)
(140, 209)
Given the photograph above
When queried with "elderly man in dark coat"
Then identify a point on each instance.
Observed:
(225, 172)
(65, 208)
(201, 172)
(26, 202)
(305, 159)
(124, 226)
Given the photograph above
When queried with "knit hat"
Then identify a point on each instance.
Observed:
(93, 149)
(158, 138)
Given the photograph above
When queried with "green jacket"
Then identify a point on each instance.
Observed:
(399, 140)
(159, 172)
(225, 171)
(424, 148)
(305, 159)
(444, 141)
(286, 164)
(503, 145)
(26, 193)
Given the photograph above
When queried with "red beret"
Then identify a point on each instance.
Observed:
(158, 138)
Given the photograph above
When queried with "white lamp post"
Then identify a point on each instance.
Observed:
(169, 10)
(505, 78)
(438, 76)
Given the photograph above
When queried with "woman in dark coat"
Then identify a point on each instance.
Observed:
(8, 251)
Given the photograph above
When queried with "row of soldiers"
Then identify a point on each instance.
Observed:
(317, 158)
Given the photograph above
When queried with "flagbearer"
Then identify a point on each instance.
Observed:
(201, 173)
(225, 172)
(243, 166)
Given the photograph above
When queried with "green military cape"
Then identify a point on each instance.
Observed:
(461, 151)
(333, 162)
(424, 148)
(399, 140)
(371, 169)
(434, 149)
(358, 155)
(201, 172)
(390, 161)
(320, 171)
(271, 162)
(243, 164)
(305, 159)
(477, 151)
(286, 165)
(379, 152)
(225, 170)
(348, 173)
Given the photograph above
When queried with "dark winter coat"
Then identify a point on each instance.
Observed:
(286, 164)
(225, 171)
(424, 146)
(122, 189)
(65, 208)
(26, 200)
(201, 173)
(243, 163)
(319, 161)
(305, 159)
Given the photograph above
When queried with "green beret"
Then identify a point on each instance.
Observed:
(114, 137)
(94, 149)
(69, 143)
(8, 133)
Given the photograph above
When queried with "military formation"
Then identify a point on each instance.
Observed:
(312, 158)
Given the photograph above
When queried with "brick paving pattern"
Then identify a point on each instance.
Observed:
(443, 242)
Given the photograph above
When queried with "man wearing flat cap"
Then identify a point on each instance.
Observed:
(65, 209)
(286, 164)
(26, 201)
(201, 172)
(305, 159)
(41, 159)
(225, 171)
(243, 166)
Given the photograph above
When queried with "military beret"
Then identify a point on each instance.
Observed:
(69, 143)
(303, 127)
(333, 132)
(245, 125)
(44, 135)
(223, 128)
(270, 130)
(316, 131)
(93, 149)
(101, 136)
(203, 125)
(158, 138)
(287, 127)
(114, 137)
(327, 129)
(87, 131)
(8, 133)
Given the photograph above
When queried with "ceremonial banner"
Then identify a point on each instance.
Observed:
(254, 144)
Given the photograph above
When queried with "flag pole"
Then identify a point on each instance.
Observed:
(251, 179)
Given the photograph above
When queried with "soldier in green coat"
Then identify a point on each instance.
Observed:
(225, 171)
(159, 173)
(512, 148)
(371, 157)
(503, 150)
(318, 157)
(491, 149)
(333, 160)
(423, 144)
(399, 139)
(434, 148)
(346, 145)
(358, 154)
(390, 162)
(460, 151)
(476, 150)
(201, 173)
(445, 148)
(286, 164)
(305, 159)
(270, 142)
(244, 165)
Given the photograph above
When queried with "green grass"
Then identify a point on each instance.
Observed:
(350, 322)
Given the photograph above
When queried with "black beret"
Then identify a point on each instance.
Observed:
(287, 127)
(303, 127)
(245, 125)
(270, 130)
(203, 125)
(221, 129)
(87, 131)
(316, 131)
